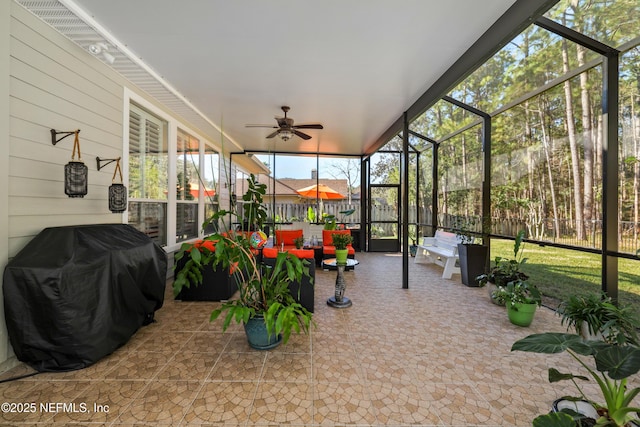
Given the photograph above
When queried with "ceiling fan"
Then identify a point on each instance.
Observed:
(286, 129)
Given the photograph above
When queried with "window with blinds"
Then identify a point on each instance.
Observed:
(148, 173)
(148, 156)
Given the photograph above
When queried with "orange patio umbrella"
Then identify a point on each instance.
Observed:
(320, 191)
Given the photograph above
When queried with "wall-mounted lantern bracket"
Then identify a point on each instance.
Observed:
(54, 133)
(108, 161)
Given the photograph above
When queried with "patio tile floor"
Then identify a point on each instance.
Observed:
(435, 354)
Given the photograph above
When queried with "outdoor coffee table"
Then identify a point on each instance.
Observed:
(339, 300)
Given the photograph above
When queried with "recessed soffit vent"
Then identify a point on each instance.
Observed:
(66, 22)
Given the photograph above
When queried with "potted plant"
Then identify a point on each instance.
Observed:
(473, 256)
(521, 298)
(346, 213)
(341, 241)
(612, 365)
(265, 303)
(299, 242)
(413, 247)
(595, 316)
(505, 270)
(329, 221)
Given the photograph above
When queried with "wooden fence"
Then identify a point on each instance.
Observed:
(543, 230)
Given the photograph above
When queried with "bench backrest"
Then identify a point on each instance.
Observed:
(447, 240)
(327, 236)
(287, 236)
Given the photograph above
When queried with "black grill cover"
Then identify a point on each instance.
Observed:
(75, 294)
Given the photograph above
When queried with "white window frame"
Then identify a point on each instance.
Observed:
(172, 144)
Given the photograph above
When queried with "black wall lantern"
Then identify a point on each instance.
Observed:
(75, 172)
(117, 191)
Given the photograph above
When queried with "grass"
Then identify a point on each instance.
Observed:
(560, 273)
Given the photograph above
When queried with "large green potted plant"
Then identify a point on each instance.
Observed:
(612, 365)
(341, 241)
(595, 316)
(505, 270)
(521, 298)
(264, 299)
(472, 255)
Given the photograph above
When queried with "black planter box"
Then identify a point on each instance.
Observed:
(217, 285)
(302, 292)
(473, 259)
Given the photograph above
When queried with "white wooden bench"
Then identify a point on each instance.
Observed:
(442, 250)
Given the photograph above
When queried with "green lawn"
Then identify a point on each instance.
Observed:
(559, 273)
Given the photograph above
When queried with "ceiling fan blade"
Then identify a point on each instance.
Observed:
(301, 135)
(271, 135)
(309, 126)
(261, 126)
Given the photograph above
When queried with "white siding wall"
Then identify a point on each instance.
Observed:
(5, 350)
(55, 84)
(49, 82)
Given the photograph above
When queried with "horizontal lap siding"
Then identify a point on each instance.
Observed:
(55, 84)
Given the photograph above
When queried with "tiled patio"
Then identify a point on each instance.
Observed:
(436, 354)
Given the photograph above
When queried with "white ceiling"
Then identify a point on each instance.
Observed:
(353, 65)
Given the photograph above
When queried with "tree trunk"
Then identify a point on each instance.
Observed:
(545, 144)
(587, 127)
(573, 145)
(636, 171)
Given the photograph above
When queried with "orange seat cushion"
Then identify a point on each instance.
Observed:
(270, 252)
(300, 253)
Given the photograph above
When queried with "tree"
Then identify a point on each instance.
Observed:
(348, 169)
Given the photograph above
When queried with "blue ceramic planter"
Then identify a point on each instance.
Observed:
(256, 331)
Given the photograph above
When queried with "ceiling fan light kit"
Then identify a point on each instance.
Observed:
(286, 135)
(286, 129)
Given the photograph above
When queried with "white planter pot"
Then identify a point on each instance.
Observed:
(585, 334)
(580, 406)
